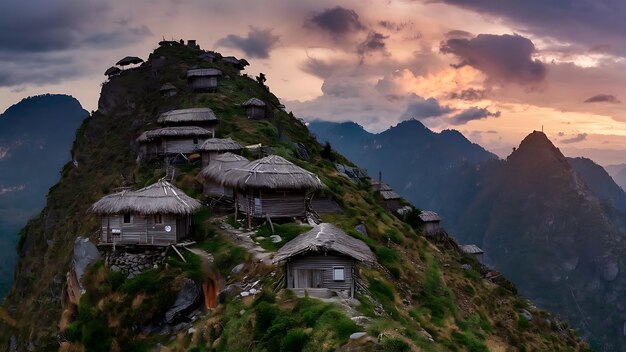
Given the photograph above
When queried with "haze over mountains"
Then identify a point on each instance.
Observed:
(35, 137)
(554, 225)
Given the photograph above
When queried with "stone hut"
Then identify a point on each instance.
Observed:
(157, 215)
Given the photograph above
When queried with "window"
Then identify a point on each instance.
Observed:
(127, 218)
(158, 219)
(339, 274)
(195, 141)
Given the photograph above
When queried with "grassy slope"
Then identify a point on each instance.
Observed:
(422, 287)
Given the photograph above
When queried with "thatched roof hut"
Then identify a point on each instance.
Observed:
(112, 71)
(471, 249)
(325, 238)
(429, 216)
(237, 63)
(221, 164)
(271, 172)
(255, 108)
(194, 116)
(203, 72)
(203, 79)
(168, 90)
(129, 60)
(180, 131)
(220, 145)
(159, 198)
(253, 102)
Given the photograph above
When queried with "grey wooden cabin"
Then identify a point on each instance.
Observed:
(472, 250)
(222, 163)
(157, 215)
(197, 117)
(322, 262)
(212, 148)
(171, 141)
(203, 79)
(432, 223)
(255, 108)
(390, 197)
(168, 90)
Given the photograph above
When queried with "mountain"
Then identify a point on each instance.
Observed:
(601, 183)
(419, 163)
(35, 137)
(417, 296)
(618, 173)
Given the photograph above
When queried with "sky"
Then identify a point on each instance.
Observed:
(493, 69)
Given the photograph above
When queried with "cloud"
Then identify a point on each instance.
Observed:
(257, 44)
(470, 94)
(578, 138)
(420, 109)
(471, 114)
(603, 98)
(456, 33)
(503, 58)
(337, 21)
(375, 42)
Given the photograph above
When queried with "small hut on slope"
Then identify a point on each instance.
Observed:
(432, 223)
(323, 261)
(171, 140)
(221, 164)
(157, 215)
(201, 117)
(238, 64)
(472, 250)
(270, 187)
(255, 108)
(168, 90)
(203, 79)
(213, 147)
(390, 197)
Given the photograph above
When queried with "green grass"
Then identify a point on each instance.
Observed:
(287, 232)
(226, 254)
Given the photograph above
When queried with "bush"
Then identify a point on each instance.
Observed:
(265, 315)
(96, 336)
(523, 323)
(148, 281)
(294, 341)
(394, 345)
(74, 332)
(471, 343)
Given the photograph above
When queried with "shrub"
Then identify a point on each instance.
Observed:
(294, 341)
(394, 345)
(471, 343)
(74, 332)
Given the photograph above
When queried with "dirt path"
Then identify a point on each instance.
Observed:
(243, 240)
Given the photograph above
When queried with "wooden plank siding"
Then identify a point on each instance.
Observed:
(275, 204)
(255, 112)
(322, 265)
(173, 145)
(208, 157)
(203, 83)
(213, 189)
(143, 229)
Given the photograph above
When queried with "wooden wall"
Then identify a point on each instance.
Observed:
(143, 229)
(275, 204)
(255, 112)
(203, 83)
(184, 145)
(432, 228)
(213, 189)
(324, 264)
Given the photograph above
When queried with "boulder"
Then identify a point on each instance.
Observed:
(275, 238)
(187, 300)
(85, 253)
(357, 335)
(360, 228)
(227, 293)
(237, 269)
(526, 314)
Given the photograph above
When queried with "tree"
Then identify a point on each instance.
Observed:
(261, 79)
(327, 152)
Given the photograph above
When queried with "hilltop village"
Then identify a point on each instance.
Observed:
(205, 217)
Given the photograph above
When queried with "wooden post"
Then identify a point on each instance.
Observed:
(250, 204)
(236, 194)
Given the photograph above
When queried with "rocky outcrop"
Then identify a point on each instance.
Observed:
(188, 299)
(132, 264)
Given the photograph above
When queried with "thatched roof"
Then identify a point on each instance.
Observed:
(112, 71)
(221, 164)
(325, 238)
(182, 131)
(254, 102)
(167, 86)
(272, 172)
(129, 60)
(390, 195)
(471, 249)
(203, 72)
(188, 115)
(429, 216)
(220, 145)
(158, 198)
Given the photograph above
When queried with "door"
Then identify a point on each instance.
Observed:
(307, 278)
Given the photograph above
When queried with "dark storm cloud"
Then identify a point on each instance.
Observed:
(337, 21)
(581, 21)
(375, 42)
(457, 33)
(257, 44)
(503, 58)
(472, 114)
(421, 109)
(578, 138)
(469, 94)
(36, 69)
(603, 98)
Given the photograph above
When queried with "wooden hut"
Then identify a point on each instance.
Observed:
(323, 261)
(112, 71)
(129, 60)
(432, 223)
(238, 64)
(213, 147)
(203, 79)
(271, 187)
(472, 250)
(168, 90)
(390, 197)
(207, 57)
(157, 215)
(255, 108)
(210, 174)
(171, 140)
(200, 117)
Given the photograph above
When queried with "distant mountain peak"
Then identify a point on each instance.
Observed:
(536, 145)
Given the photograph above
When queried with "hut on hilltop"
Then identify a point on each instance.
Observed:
(157, 215)
(255, 108)
(168, 90)
(203, 79)
(112, 71)
(171, 141)
(208, 57)
(200, 117)
(238, 64)
(129, 60)
(322, 261)
(213, 147)
(271, 187)
(390, 197)
(221, 164)
(432, 223)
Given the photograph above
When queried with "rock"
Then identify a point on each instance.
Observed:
(187, 300)
(362, 321)
(228, 292)
(357, 335)
(245, 294)
(360, 228)
(13, 343)
(237, 269)
(254, 291)
(242, 312)
(84, 254)
(115, 268)
(191, 331)
(526, 314)
(466, 267)
(275, 238)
